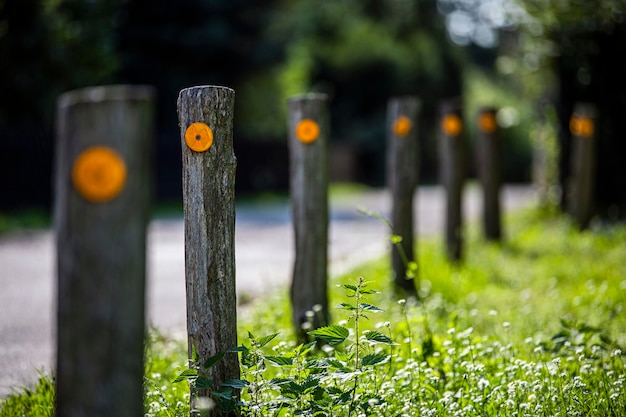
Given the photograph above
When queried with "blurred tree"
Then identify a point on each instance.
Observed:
(177, 44)
(581, 43)
(46, 48)
(361, 53)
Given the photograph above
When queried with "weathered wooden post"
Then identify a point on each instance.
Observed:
(402, 177)
(308, 141)
(101, 211)
(582, 128)
(205, 116)
(452, 165)
(490, 172)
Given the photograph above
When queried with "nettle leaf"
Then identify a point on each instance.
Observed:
(374, 359)
(203, 382)
(242, 348)
(266, 339)
(225, 394)
(303, 348)
(235, 383)
(317, 364)
(370, 307)
(348, 287)
(378, 337)
(187, 374)
(213, 360)
(279, 381)
(346, 306)
(344, 356)
(364, 291)
(195, 357)
(334, 335)
(280, 360)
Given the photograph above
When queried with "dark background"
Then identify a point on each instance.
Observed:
(360, 53)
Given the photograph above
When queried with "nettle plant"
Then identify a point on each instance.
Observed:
(338, 372)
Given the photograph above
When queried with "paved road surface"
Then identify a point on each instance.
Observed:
(263, 253)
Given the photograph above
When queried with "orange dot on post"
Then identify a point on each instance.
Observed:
(402, 126)
(199, 137)
(487, 122)
(307, 131)
(451, 125)
(581, 126)
(99, 174)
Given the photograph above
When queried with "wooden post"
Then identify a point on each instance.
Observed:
(205, 116)
(101, 212)
(490, 172)
(308, 142)
(452, 154)
(581, 189)
(402, 176)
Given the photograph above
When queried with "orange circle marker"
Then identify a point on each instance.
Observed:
(487, 122)
(199, 137)
(402, 126)
(451, 125)
(99, 174)
(307, 131)
(581, 126)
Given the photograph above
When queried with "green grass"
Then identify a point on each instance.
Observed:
(534, 326)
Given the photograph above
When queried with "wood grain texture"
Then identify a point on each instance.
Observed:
(101, 248)
(309, 202)
(209, 215)
(402, 178)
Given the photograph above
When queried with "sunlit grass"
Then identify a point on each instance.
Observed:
(531, 326)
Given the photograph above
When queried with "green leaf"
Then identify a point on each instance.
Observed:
(213, 360)
(378, 337)
(203, 382)
(266, 339)
(235, 383)
(280, 360)
(370, 307)
(187, 374)
(194, 354)
(374, 359)
(225, 394)
(346, 306)
(334, 335)
(303, 348)
(348, 287)
(364, 291)
(241, 348)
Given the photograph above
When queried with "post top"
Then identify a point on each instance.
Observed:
(107, 93)
(308, 96)
(207, 87)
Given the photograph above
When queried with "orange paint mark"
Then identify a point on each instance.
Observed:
(581, 126)
(307, 131)
(402, 126)
(487, 122)
(451, 125)
(99, 174)
(199, 137)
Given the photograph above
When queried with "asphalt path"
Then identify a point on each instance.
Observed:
(263, 255)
